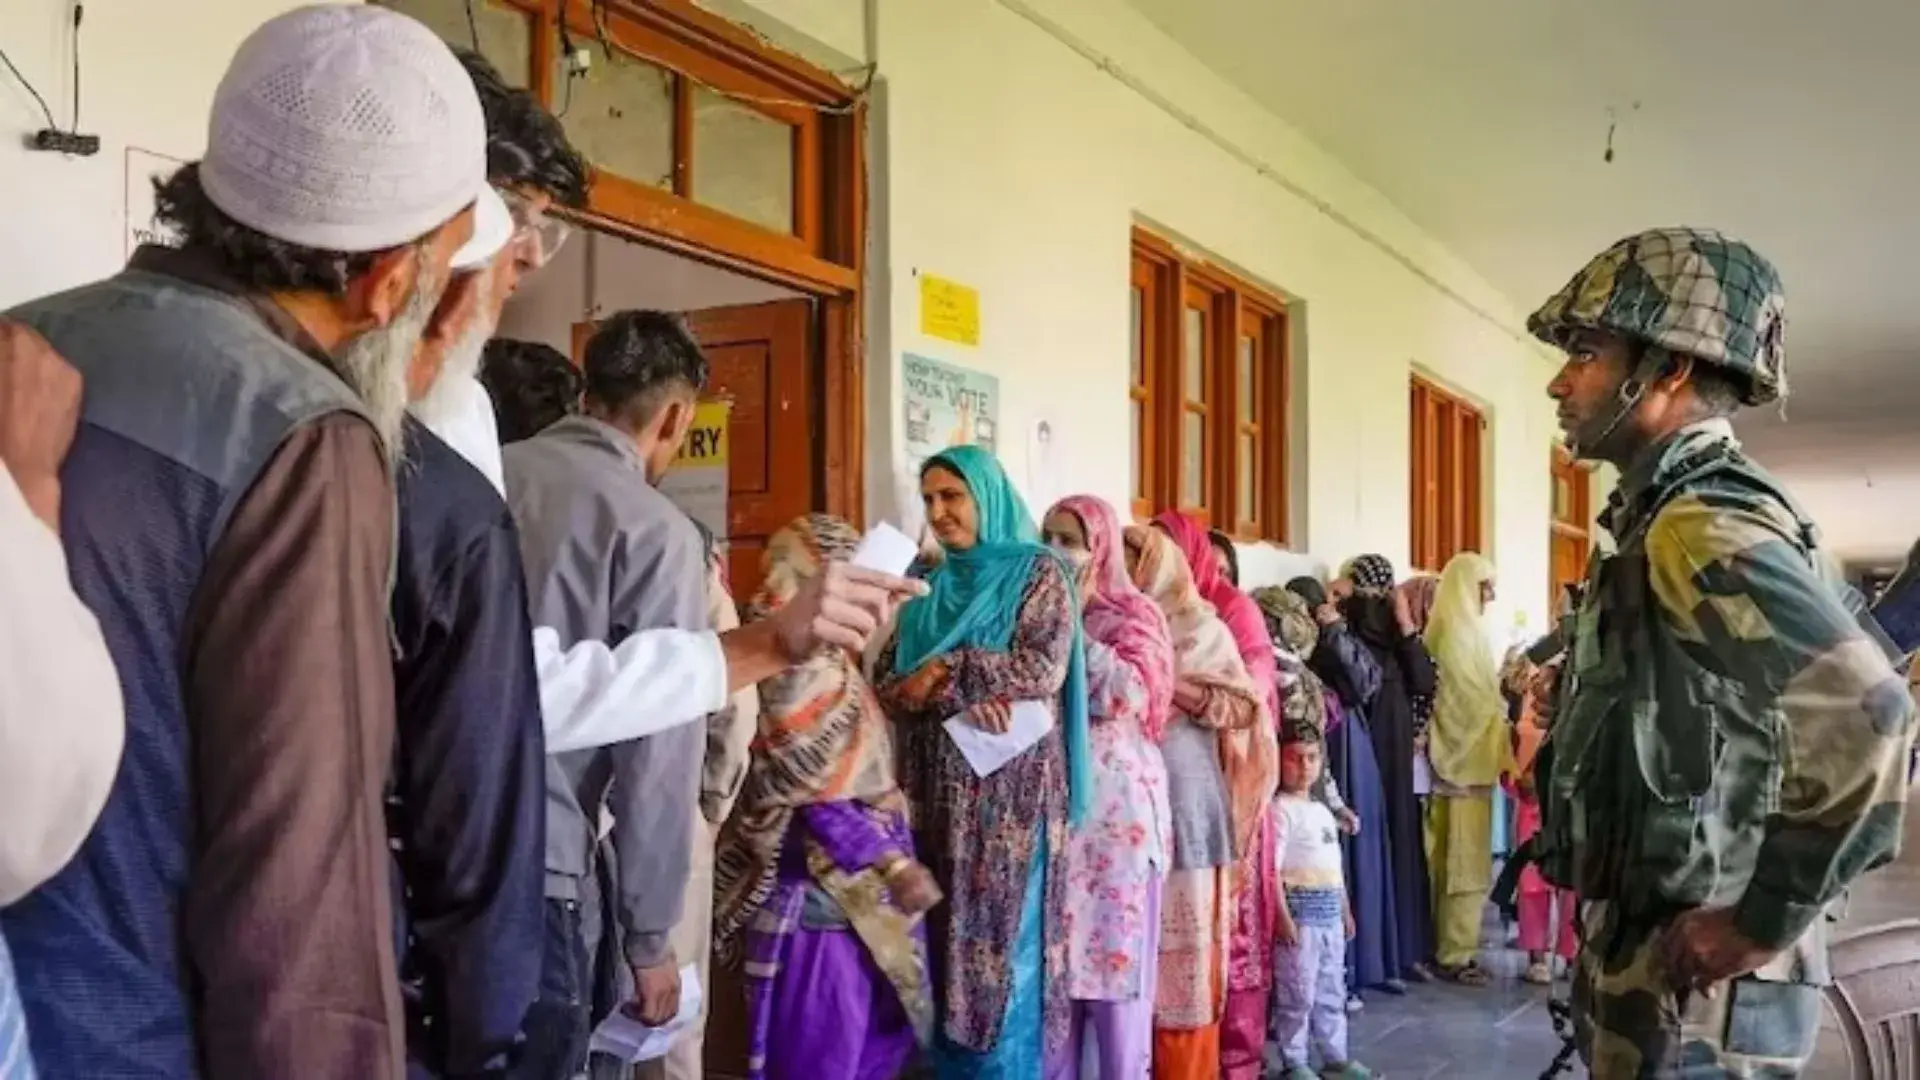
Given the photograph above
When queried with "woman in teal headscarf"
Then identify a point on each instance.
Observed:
(999, 626)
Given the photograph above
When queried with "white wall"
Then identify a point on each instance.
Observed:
(1007, 159)
(148, 74)
(1011, 161)
(596, 275)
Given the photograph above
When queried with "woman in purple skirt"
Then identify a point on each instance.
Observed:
(816, 889)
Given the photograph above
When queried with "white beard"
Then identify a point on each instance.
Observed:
(444, 401)
(375, 363)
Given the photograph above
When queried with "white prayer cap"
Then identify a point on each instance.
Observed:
(492, 228)
(345, 127)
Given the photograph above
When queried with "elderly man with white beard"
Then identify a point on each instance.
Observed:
(228, 516)
(467, 810)
(477, 684)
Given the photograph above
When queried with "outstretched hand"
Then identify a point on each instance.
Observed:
(842, 606)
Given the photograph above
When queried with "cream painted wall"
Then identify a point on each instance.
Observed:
(148, 75)
(1011, 161)
(1008, 159)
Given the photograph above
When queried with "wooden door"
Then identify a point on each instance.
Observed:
(761, 360)
(759, 357)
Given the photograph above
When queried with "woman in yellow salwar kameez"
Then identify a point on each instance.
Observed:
(1468, 748)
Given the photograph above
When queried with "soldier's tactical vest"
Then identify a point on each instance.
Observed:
(1662, 772)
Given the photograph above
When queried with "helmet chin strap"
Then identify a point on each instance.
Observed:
(1625, 400)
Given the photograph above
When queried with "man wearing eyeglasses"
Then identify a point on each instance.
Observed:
(466, 805)
(483, 694)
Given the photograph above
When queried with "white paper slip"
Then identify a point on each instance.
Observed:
(1422, 774)
(886, 549)
(987, 752)
(631, 1041)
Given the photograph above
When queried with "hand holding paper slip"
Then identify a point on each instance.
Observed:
(623, 1037)
(986, 751)
(886, 549)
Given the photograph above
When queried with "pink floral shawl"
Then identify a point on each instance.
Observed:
(1119, 615)
(1234, 607)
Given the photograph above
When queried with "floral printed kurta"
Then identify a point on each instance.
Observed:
(1125, 842)
(978, 834)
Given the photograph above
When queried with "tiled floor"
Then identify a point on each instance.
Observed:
(1503, 1032)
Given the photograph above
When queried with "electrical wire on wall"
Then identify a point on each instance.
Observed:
(53, 138)
(31, 91)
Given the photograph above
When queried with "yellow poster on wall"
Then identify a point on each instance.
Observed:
(697, 481)
(949, 310)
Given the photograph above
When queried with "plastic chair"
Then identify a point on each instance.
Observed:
(1876, 998)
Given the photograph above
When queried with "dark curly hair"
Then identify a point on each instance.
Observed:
(533, 386)
(526, 145)
(637, 359)
(1299, 729)
(256, 260)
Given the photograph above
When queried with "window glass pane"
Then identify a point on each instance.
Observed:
(1194, 363)
(1247, 464)
(1138, 409)
(1138, 299)
(506, 35)
(1245, 380)
(620, 115)
(742, 161)
(1193, 456)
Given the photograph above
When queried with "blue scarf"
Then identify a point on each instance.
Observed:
(975, 602)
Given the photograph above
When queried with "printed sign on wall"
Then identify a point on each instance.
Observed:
(143, 168)
(947, 405)
(697, 480)
(949, 310)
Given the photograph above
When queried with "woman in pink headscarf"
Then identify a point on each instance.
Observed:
(1243, 1030)
(1118, 860)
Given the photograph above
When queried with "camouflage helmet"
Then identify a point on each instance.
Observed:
(1689, 291)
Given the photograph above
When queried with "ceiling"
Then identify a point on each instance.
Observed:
(1790, 125)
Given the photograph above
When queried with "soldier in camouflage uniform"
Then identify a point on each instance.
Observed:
(1729, 751)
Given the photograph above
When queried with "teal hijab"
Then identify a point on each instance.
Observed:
(975, 598)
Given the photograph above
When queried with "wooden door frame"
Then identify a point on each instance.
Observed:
(825, 259)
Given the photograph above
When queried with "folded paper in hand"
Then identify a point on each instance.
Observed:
(885, 549)
(987, 752)
(625, 1038)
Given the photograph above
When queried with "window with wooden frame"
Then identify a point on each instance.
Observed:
(690, 133)
(1208, 393)
(1570, 541)
(1448, 436)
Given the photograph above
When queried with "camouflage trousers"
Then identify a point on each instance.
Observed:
(1630, 1025)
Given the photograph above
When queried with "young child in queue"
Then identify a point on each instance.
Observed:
(1315, 919)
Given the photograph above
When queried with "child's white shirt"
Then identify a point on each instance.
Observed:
(1306, 843)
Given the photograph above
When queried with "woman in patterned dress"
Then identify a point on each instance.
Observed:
(1243, 1031)
(1116, 863)
(999, 627)
(1222, 763)
(815, 882)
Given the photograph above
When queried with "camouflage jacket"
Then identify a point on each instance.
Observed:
(1732, 731)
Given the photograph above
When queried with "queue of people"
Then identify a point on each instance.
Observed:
(405, 727)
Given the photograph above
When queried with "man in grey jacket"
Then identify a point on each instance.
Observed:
(608, 555)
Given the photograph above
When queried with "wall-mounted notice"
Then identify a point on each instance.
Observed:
(143, 168)
(697, 480)
(949, 310)
(947, 405)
